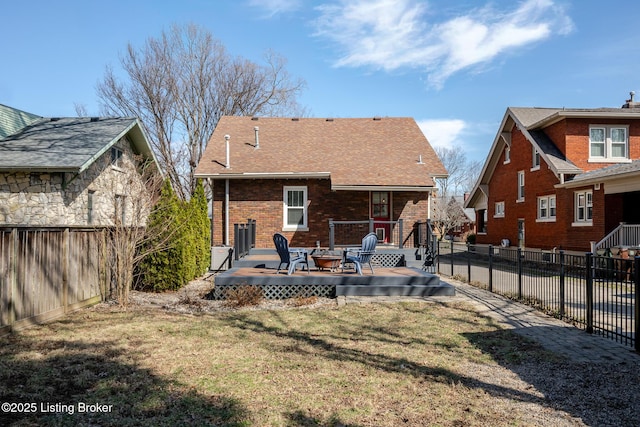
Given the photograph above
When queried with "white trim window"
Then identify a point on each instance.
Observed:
(295, 208)
(547, 208)
(507, 154)
(583, 208)
(535, 161)
(608, 143)
(520, 186)
(499, 212)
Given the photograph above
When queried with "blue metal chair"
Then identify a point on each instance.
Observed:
(291, 257)
(363, 255)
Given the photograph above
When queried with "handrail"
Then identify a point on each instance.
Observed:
(622, 235)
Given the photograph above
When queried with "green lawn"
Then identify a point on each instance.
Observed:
(372, 364)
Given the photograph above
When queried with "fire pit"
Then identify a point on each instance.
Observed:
(324, 260)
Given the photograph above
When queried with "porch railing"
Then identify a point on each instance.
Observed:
(244, 238)
(350, 233)
(623, 235)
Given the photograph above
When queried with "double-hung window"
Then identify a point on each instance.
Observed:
(583, 208)
(608, 143)
(535, 161)
(520, 186)
(116, 157)
(547, 208)
(295, 208)
(499, 211)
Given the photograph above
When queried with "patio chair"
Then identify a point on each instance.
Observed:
(290, 257)
(363, 255)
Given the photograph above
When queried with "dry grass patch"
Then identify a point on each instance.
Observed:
(410, 364)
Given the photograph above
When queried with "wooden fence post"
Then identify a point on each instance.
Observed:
(65, 269)
(13, 276)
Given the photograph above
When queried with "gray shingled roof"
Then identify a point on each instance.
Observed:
(66, 144)
(609, 172)
(12, 120)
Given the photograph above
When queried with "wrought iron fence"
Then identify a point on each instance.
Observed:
(595, 293)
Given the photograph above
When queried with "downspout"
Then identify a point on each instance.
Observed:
(226, 212)
(212, 220)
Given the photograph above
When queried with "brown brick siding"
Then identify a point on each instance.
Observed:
(545, 235)
(262, 200)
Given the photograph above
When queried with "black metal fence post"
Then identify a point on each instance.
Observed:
(490, 268)
(400, 226)
(562, 285)
(468, 263)
(332, 234)
(636, 287)
(589, 302)
(451, 244)
(519, 273)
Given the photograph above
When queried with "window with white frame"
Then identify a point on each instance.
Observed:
(507, 154)
(295, 208)
(535, 161)
(547, 208)
(520, 186)
(608, 143)
(499, 212)
(583, 207)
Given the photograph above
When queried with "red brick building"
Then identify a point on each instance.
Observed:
(559, 178)
(293, 175)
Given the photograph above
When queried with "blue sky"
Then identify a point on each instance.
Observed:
(454, 66)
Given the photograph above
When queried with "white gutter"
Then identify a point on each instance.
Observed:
(265, 175)
(226, 212)
(380, 188)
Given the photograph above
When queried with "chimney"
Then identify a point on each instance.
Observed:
(256, 129)
(227, 138)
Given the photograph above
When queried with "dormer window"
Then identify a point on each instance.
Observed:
(608, 143)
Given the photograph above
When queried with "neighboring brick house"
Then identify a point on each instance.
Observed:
(559, 178)
(70, 171)
(292, 175)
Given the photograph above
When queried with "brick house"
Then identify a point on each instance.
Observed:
(70, 171)
(294, 174)
(559, 178)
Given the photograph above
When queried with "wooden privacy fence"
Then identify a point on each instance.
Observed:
(46, 272)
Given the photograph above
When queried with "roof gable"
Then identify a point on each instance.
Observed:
(354, 152)
(68, 144)
(531, 122)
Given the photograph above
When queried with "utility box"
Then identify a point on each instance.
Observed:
(220, 257)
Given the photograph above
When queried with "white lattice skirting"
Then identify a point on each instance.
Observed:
(280, 291)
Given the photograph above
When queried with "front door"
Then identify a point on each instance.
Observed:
(380, 211)
(521, 233)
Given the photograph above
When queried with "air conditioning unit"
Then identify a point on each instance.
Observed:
(220, 257)
(505, 243)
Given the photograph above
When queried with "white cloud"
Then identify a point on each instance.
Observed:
(275, 7)
(391, 34)
(443, 133)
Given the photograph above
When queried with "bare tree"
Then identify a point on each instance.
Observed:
(447, 215)
(447, 210)
(462, 172)
(181, 83)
